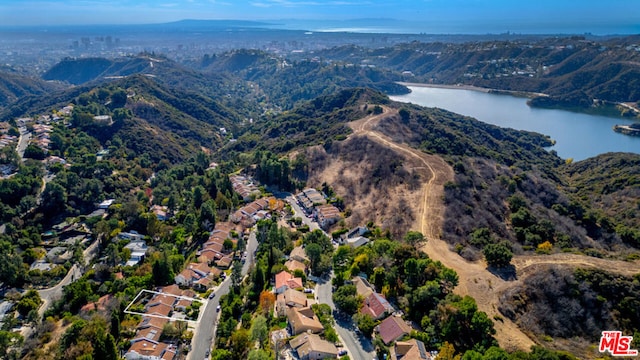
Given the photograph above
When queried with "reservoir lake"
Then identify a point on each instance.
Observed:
(578, 136)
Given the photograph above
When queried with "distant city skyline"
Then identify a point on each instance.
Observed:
(448, 16)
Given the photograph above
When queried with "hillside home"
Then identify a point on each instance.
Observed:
(376, 306)
(357, 241)
(392, 329)
(313, 347)
(138, 252)
(150, 350)
(298, 253)
(363, 287)
(105, 204)
(161, 212)
(100, 305)
(410, 350)
(131, 235)
(303, 320)
(293, 298)
(327, 215)
(59, 255)
(285, 280)
(294, 265)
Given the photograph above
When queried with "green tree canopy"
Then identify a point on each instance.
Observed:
(497, 255)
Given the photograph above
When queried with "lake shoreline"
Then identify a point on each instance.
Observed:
(609, 109)
(578, 135)
(523, 94)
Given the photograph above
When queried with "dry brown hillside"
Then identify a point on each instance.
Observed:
(402, 188)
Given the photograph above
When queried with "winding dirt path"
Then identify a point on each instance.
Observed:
(474, 278)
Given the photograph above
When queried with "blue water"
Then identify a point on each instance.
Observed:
(578, 136)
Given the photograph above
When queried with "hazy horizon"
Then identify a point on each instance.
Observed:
(414, 16)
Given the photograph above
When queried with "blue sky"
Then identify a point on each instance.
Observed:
(499, 14)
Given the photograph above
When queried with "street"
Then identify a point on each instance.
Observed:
(54, 293)
(23, 141)
(357, 346)
(204, 335)
(298, 212)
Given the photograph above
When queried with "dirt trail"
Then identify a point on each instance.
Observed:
(474, 278)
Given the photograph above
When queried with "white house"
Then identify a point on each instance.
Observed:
(138, 251)
(131, 235)
(357, 241)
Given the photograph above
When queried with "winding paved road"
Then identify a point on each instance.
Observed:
(358, 346)
(204, 336)
(54, 293)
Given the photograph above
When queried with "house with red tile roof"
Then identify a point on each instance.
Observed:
(186, 277)
(209, 256)
(171, 289)
(147, 333)
(198, 275)
(162, 299)
(159, 309)
(225, 262)
(376, 306)
(100, 305)
(285, 280)
(150, 350)
(182, 304)
(392, 329)
(152, 322)
(214, 245)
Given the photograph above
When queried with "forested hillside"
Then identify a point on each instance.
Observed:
(14, 86)
(570, 69)
(286, 123)
(283, 82)
(319, 121)
(574, 306)
(611, 182)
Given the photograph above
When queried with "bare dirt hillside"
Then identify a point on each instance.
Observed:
(422, 209)
(375, 182)
(474, 279)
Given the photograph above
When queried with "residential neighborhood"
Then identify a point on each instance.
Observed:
(179, 306)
